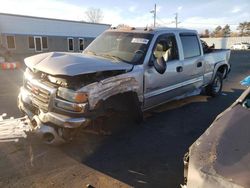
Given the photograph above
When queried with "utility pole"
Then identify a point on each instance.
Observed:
(176, 20)
(154, 12)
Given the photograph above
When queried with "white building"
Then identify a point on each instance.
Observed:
(27, 35)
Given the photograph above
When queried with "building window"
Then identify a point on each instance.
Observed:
(31, 42)
(70, 44)
(45, 42)
(11, 42)
(81, 43)
(38, 43)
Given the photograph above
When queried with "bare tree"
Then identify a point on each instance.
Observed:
(123, 26)
(94, 15)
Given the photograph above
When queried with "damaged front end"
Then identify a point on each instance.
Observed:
(58, 105)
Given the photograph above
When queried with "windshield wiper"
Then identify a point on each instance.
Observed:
(90, 52)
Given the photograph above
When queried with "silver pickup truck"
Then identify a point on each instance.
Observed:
(133, 69)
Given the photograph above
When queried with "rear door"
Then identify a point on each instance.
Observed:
(193, 61)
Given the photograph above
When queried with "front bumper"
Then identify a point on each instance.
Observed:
(25, 105)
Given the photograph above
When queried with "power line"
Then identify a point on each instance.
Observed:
(210, 23)
(163, 22)
(177, 22)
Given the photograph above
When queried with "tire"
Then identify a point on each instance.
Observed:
(214, 89)
(138, 115)
(135, 112)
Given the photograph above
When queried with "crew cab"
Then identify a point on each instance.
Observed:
(133, 68)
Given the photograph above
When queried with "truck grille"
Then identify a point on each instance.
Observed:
(40, 96)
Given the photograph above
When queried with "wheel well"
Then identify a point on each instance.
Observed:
(223, 70)
(119, 102)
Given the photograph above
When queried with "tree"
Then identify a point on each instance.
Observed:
(94, 15)
(226, 31)
(234, 34)
(217, 32)
(248, 29)
(244, 28)
(123, 26)
(206, 34)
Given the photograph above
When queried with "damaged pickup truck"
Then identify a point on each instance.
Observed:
(133, 69)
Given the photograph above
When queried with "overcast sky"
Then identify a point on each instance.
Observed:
(195, 14)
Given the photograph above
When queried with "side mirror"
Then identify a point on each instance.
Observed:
(160, 65)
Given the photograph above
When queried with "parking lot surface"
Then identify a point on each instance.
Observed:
(149, 155)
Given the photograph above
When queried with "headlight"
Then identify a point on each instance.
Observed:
(28, 74)
(72, 96)
(70, 106)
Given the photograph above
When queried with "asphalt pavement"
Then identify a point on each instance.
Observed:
(149, 155)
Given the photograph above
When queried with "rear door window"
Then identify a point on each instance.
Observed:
(190, 45)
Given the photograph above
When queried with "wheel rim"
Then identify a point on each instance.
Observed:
(216, 85)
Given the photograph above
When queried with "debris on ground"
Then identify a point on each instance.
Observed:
(12, 129)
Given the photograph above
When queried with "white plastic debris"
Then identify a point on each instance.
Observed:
(12, 129)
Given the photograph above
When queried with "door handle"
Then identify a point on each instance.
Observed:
(179, 69)
(199, 64)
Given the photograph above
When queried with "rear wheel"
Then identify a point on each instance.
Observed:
(214, 89)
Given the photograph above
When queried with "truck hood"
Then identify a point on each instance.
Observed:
(72, 64)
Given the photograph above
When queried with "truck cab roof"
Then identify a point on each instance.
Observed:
(151, 30)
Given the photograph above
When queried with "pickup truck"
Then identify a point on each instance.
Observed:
(133, 69)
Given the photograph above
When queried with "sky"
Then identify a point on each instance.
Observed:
(193, 14)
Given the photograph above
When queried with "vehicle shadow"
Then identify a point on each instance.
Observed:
(150, 155)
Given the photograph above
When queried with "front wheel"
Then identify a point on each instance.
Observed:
(214, 89)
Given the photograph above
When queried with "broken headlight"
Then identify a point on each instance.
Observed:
(70, 106)
(28, 74)
(72, 96)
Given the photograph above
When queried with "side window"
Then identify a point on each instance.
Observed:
(166, 47)
(190, 45)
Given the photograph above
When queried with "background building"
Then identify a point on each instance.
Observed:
(23, 36)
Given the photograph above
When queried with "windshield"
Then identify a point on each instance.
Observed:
(123, 46)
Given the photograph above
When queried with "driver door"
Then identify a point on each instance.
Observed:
(159, 88)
